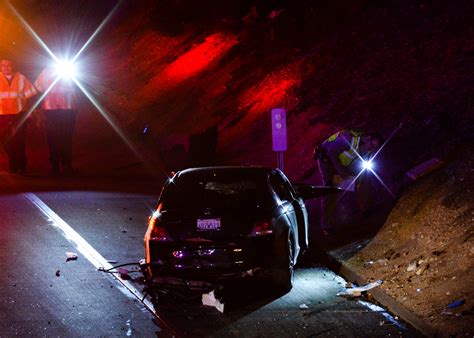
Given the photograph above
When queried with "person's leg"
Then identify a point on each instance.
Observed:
(52, 129)
(19, 142)
(68, 123)
(367, 196)
(8, 142)
(326, 174)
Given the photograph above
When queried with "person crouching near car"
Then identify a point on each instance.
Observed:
(15, 90)
(340, 156)
(59, 107)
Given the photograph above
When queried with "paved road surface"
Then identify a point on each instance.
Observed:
(43, 295)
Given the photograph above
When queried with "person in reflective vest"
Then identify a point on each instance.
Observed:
(59, 109)
(341, 155)
(15, 90)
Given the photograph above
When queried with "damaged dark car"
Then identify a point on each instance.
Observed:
(226, 222)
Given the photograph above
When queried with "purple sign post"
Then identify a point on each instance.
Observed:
(279, 134)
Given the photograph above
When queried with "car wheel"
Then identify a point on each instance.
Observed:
(284, 272)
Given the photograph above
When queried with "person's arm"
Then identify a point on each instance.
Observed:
(39, 83)
(341, 170)
(29, 91)
(338, 146)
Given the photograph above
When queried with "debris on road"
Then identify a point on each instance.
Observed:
(129, 326)
(71, 256)
(123, 273)
(208, 299)
(58, 273)
(456, 303)
(357, 291)
(304, 306)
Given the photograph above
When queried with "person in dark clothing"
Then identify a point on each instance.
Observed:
(60, 114)
(339, 158)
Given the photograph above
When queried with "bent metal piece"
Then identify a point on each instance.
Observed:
(307, 191)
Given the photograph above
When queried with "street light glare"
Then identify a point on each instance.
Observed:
(66, 69)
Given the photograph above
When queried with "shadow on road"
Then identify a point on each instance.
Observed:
(182, 309)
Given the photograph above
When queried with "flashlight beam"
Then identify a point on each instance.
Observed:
(97, 31)
(32, 32)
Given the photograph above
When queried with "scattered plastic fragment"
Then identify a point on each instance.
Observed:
(304, 306)
(357, 291)
(248, 273)
(347, 184)
(123, 273)
(71, 256)
(112, 261)
(58, 273)
(424, 168)
(369, 263)
(208, 299)
(456, 303)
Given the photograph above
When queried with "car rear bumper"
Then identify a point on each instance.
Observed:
(171, 262)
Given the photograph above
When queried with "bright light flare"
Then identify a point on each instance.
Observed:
(367, 165)
(66, 69)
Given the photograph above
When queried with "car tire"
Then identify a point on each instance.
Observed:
(284, 272)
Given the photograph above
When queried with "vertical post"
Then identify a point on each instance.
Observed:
(279, 143)
(280, 160)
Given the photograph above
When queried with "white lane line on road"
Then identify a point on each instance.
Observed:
(90, 253)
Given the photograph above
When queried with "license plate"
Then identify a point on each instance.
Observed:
(209, 224)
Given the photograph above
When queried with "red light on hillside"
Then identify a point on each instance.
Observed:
(199, 58)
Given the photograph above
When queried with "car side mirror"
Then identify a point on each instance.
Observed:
(307, 191)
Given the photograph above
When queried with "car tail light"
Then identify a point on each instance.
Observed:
(261, 228)
(159, 234)
(156, 232)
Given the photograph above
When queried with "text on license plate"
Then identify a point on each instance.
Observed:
(208, 224)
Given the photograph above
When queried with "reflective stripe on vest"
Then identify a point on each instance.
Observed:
(332, 138)
(8, 95)
(348, 156)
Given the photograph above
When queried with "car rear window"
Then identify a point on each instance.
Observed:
(217, 190)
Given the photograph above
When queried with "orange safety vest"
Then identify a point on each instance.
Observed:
(13, 95)
(60, 96)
